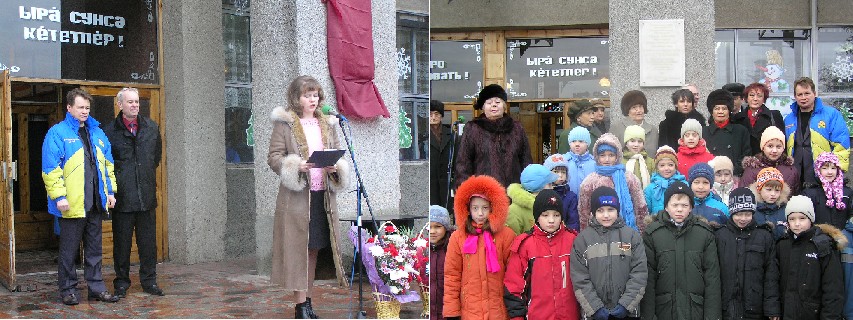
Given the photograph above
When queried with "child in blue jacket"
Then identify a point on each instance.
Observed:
(581, 162)
(557, 164)
(666, 172)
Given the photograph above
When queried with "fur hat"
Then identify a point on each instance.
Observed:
(488, 188)
(556, 160)
(579, 133)
(579, 107)
(736, 89)
(634, 132)
(700, 169)
(632, 98)
(666, 152)
(535, 177)
(720, 97)
(678, 187)
(741, 199)
(611, 141)
(801, 204)
(435, 105)
(440, 215)
(490, 91)
(722, 163)
(772, 132)
(767, 174)
(691, 125)
(603, 197)
(546, 200)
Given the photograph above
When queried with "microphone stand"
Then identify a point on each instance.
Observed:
(453, 135)
(360, 192)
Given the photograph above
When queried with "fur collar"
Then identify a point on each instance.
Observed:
(282, 114)
(289, 117)
(836, 235)
(756, 163)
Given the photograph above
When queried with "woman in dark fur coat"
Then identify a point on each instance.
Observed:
(493, 143)
(685, 108)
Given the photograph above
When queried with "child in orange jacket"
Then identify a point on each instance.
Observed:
(477, 252)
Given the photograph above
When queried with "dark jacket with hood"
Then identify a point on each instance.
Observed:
(753, 165)
(570, 207)
(497, 148)
(823, 213)
(609, 267)
(810, 274)
(136, 160)
(731, 141)
(749, 273)
(684, 270)
(437, 253)
(537, 282)
(772, 214)
(847, 262)
(766, 118)
(439, 156)
(670, 127)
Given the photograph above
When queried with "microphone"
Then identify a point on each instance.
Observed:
(329, 111)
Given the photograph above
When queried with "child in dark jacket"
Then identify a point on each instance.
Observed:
(749, 275)
(684, 269)
(666, 172)
(609, 267)
(810, 281)
(707, 205)
(847, 261)
(557, 164)
(771, 193)
(440, 228)
(832, 196)
(548, 244)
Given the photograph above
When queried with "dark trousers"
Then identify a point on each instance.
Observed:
(145, 225)
(72, 231)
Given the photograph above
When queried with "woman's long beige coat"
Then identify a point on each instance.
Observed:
(288, 148)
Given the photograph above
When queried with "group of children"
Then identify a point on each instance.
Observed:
(666, 237)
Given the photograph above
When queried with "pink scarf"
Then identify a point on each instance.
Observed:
(834, 189)
(470, 247)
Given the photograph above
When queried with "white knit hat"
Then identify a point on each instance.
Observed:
(801, 204)
(721, 163)
(771, 133)
(691, 125)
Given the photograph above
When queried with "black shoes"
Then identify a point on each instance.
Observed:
(310, 308)
(70, 300)
(302, 311)
(120, 292)
(153, 290)
(103, 296)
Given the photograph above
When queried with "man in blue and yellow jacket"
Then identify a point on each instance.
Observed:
(77, 168)
(813, 128)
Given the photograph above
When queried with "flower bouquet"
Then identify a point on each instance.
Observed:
(421, 248)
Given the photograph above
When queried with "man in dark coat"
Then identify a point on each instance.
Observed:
(749, 273)
(137, 150)
(440, 145)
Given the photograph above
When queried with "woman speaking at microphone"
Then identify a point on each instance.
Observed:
(305, 211)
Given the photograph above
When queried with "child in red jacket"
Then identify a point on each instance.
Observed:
(548, 244)
(691, 147)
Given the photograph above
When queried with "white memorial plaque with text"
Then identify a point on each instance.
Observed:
(662, 62)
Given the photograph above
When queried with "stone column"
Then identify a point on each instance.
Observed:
(288, 40)
(195, 129)
(698, 18)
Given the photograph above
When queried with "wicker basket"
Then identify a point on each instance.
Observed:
(425, 301)
(387, 307)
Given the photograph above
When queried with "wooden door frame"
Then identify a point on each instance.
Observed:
(7, 221)
(158, 115)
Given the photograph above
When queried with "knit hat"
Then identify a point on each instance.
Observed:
(440, 215)
(666, 152)
(490, 91)
(834, 189)
(772, 132)
(556, 160)
(767, 174)
(691, 125)
(632, 98)
(535, 177)
(741, 199)
(605, 147)
(801, 204)
(634, 132)
(603, 197)
(700, 169)
(736, 89)
(721, 163)
(546, 200)
(580, 134)
(720, 97)
(579, 107)
(678, 187)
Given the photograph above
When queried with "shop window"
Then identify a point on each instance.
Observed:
(770, 56)
(236, 40)
(413, 85)
(552, 68)
(835, 69)
(456, 70)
